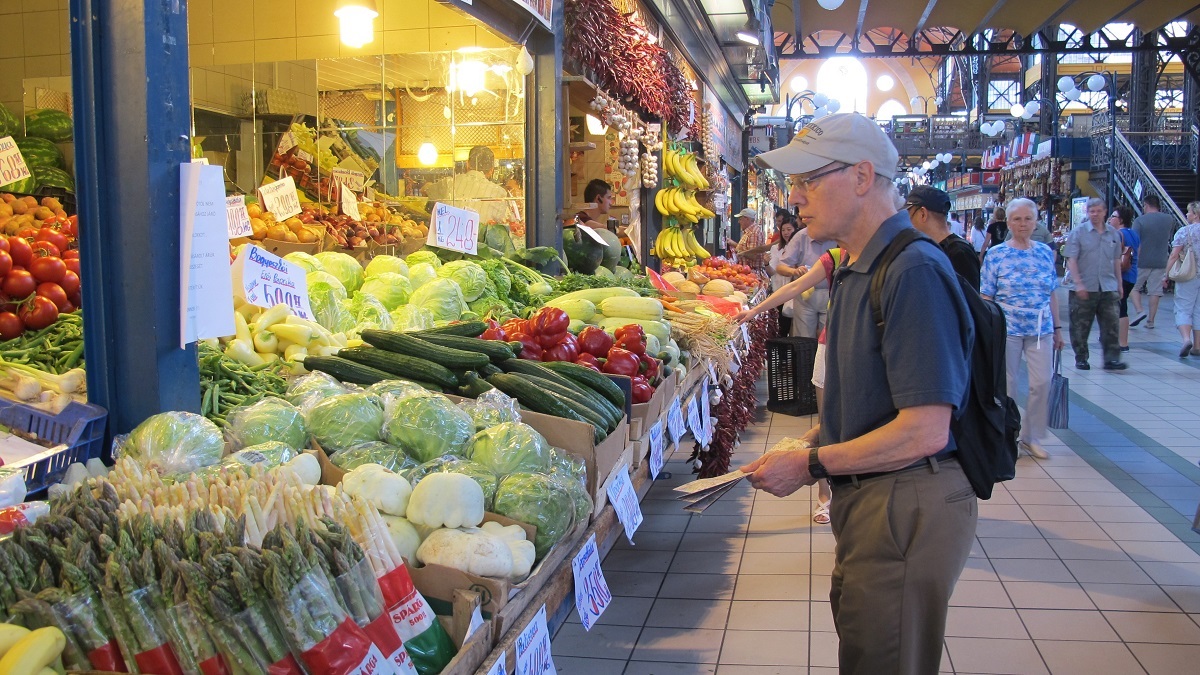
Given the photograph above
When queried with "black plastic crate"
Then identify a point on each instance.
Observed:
(789, 375)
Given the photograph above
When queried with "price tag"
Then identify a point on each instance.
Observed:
(12, 162)
(355, 180)
(733, 353)
(533, 648)
(591, 233)
(706, 412)
(263, 279)
(694, 419)
(199, 160)
(300, 154)
(675, 423)
(280, 198)
(745, 336)
(454, 228)
(499, 667)
(476, 623)
(656, 449)
(625, 503)
(236, 218)
(286, 142)
(591, 590)
(349, 203)
(712, 371)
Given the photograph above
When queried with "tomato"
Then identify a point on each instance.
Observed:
(71, 226)
(72, 265)
(70, 283)
(68, 254)
(54, 237)
(4, 244)
(5, 263)
(38, 313)
(11, 326)
(48, 268)
(27, 233)
(76, 300)
(45, 248)
(54, 293)
(18, 284)
(21, 251)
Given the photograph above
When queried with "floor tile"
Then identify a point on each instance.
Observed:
(1073, 530)
(799, 523)
(1089, 658)
(574, 665)
(1160, 551)
(622, 611)
(1017, 569)
(757, 615)
(684, 613)
(678, 645)
(710, 541)
(600, 642)
(771, 648)
(1107, 572)
(1088, 550)
(775, 563)
(1157, 627)
(996, 657)
(655, 668)
(1066, 624)
(650, 541)
(987, 622)
(772, 587)
(625, 560)
(820, 617)
(637, 584)
(980, 594)
(1130, 597)
(1162, 659)
(1017, 548)
(1047, 595)
(720, 524)
(1138, 532)
(1173, 574)
(1039, 513)
(1187, 597)
(705, 562)
(778, 543)
(823, 649)
(698, 586)
(736, 669)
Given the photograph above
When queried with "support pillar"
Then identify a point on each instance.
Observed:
(1143, 84)
(544, 138)
(1048, 114)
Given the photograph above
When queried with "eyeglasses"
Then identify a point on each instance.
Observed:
(808, 183)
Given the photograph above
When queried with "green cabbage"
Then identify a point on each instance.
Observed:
(411, 317)
(344, 267)
(271, 419)
(315, 386)
(323, 277)
(442, 297)
(374, 452)
(451, 464)
(579, 495)
(397, 388)
(328, 309)
(510, 448)
(174, 442)
(428, 426)
(492, 407)
(383, 264)
(341, 421)
(309, 263)
(566, 466)
(390, 288)
(368, 312)
(423, 256)
(469, 276)
(538, 500)
(499, 275)
(421, 274)
(269, 455)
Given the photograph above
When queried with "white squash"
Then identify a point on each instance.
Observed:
(471, 550)
(382, 488)
(306, 467)
(404, 535)
(522, 550)
(446, 500)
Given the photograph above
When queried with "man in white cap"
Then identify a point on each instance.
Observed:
(751, 247)
(903, 511)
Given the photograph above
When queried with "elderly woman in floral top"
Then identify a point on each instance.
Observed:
(1020, 276)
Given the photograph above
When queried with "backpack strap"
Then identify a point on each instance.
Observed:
(894, 247)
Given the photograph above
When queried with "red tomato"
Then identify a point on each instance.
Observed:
(76, 300)
(71, 226)
(21, 251)
(27, 233)
(54, 293)
(68, 254)
(38, 313)
(53, 236)
(5, 263)
(48, 268)
(72, 264)
(70, 283)
(45, 248)
(4, 244)
(11, 326)
(67, 308)
(18, 284)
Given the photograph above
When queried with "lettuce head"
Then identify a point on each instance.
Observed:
(382, 264)
(423, 256)
(375, 452)
(442, 297)
(469, 276)
(411, 317)
(304, 260)
(428, 426)
(510, 448)
(539, 500)
(174, 442)
(344, 267)
(345, 420)
(368, 312)
(391, 288)
(421, 274)
(271, 419)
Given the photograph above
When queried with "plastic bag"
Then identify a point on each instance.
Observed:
(12, 486)
(135, 623)
(427, 426)
(36, 612)
(510, 447)
(539, 500)
(492, 407)
(271, 419)
(427, 643)
(190, 641)
(564, 465)
(319, 629)
(451, 464)
(375, 452)
(397, 388)
(250, 642)
(317, 385)
(269, 455)
(20, 515)
(411, 317)
(174, 442)
(88, 627)
(342, 421)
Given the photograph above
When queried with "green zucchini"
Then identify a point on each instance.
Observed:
(345, 370)
(402, 343)
(594, 418)
(580, 401)
(489, 369)
(494, 350)
(533, 397)
(598, 382)
(462, 328)
(399, 364)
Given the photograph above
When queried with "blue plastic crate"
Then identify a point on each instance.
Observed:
(80, 426)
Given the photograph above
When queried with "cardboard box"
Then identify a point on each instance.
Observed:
(646, 414)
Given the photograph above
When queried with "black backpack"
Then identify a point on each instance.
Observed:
(986, 431)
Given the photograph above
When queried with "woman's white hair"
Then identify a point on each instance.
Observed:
(1021, 203)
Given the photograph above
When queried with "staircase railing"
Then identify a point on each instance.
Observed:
(1131, 171)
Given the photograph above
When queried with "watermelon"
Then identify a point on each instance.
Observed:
(23, 186)
(52, 177)
(53, 125)
(8, 122)
(40, 152)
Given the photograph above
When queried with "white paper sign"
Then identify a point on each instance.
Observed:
(454, 228)
(712, 371)
(349, 203)
(355, 180)
(499, 667)
(745, 337)
(199, 160)
(675, 424)
(12, 162)
(205, 289)
(656, 449)
(591, 233)
(533, 648)
(625, 503)
(263, 279)
(694, 419)
(706, 411)
(476, 623)
(236, 218)
(280, 198)
(286, 142)
(591, 590)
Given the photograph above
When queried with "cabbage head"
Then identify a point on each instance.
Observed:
(322, 277)
(382, 264)
(397, 388)
(369, 312)
(423, 256)
(375, 452)
(304, 260)
(451, 464)
(271, 419)
(411, 317)
(341, 421)
(565, 466)
(538, 500)
(579, 496)
(492, 407)
(390, 288)
(344, 267)
(174, 442)
(313, 386)
(269, 455)
(428, 426)
(442, 297)
(510, 448)
(469, 276)
(421, 274)
(328, 309)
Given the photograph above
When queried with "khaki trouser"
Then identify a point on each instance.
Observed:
(902, 541)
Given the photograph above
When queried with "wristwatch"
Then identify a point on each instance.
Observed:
(815, 468)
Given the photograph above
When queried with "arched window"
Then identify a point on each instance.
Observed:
(890, 108)
(845, 79)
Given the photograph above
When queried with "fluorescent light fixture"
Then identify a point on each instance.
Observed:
(356, 19)
(747, 37)
(427, 154)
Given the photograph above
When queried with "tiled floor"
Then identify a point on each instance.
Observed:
(1085, 563)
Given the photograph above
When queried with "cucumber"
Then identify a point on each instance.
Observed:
(494, 350)
(581, 403)
(488, 370)
(598, 382)
(473, 386)
(594, 418)
(346, 370)
(399, 364)
(536, 369)
(533, 397)
(462, 329)
(402, 343)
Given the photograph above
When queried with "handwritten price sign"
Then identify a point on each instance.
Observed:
(694, 418)
(591, 590)
(675, 423)
(533, 648)
(280, 198)
(354, 180)
(454, 228)
(265, 280)
(656, 449)
(236, 217)
(12, 163)
(625, 503)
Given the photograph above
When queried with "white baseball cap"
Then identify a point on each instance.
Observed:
(844, 137)
(748, 213)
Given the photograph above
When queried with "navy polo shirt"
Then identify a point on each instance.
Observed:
(925, 353)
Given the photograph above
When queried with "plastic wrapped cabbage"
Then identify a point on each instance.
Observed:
(322, 277)
(343, 266)
(397, 388)
(411, 317)
(174, 442)
(423, 256)
(469, 276)
(328, 308)
(511, 447)
(268, 455)
(368, 312)
(442, 297)
(451, 464)
(314, 386)
(375, 452)
(566, 466)
(421, 274)
(427, 426)
(537, 499)
(271, 419)
(304, 260)
(385, 264)
(492, 407)
(390, 288)
(579, 496)
(345, 420)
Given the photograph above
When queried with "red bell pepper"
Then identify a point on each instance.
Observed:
(549, 321)
(548, 340)
(631, 342)
(566, 349)
(513, 326)
(649, 367)
(530, 349)
(631, 329)
(642, 391)
(494, 331)
(621, 362)
(588, 361)
(593, 340)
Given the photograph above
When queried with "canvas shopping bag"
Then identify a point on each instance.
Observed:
(1060, 394)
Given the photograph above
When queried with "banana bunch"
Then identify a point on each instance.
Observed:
(678, 246)
(680, 204)
(682, 166)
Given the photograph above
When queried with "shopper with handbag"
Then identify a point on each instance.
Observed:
(1181, 268)
(1122, 219)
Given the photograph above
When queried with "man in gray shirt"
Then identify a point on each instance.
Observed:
(1093, 254)
(1155, 229)
(811, 308)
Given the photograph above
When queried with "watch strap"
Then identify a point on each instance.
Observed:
(815, 468)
